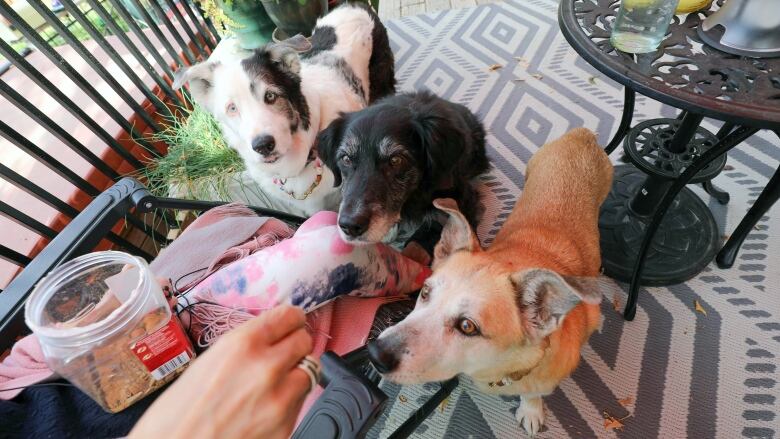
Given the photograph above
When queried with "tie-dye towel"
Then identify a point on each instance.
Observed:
(311, 268)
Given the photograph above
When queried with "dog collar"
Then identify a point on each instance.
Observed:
(280, 183)
(520, 374)
(509, 379)
(313, 152)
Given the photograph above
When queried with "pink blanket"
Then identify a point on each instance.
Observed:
(23, 366)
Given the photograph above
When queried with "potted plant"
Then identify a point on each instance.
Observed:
(294, 17)
(246, 19)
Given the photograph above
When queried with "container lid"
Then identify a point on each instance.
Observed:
(88, 298)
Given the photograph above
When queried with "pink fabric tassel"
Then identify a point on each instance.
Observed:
(209, 321)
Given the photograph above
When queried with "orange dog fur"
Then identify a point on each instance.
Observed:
(514, 316)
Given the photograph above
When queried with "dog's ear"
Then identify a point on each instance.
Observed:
(328, 141)
(298, 43)
(457, 234)
(200, 77)
(286, 56)
(544, 297)
(443, 141)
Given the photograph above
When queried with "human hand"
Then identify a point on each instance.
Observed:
(246, 385)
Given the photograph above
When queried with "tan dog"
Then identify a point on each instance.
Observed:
(513, 316)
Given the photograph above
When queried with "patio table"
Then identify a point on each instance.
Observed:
(654, 230)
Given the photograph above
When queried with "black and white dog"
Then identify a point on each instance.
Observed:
(271, 105)
(394, 158)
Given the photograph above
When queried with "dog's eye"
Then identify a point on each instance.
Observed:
(270, 97)
(424, 292)
(396, 161)
(346, 160)
(467, 327)
(231, 109)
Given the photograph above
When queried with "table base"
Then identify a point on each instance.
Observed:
(685, 242)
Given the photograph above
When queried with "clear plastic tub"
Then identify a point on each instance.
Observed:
(104, 324)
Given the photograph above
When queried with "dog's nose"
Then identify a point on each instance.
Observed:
(383, 360)
(354, 226)
(264, 144)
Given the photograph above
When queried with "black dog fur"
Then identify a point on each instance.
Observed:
(441, 146)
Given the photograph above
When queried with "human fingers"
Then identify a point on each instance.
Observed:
(273, 325)
(285, 354)
(301, 379)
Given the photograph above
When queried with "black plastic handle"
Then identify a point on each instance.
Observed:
(347, 408)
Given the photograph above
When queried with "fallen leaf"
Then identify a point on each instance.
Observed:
(699, 308)
(402, 398)
(627, 401)
(538, 76)
(518, 79)
(494, 67)
(612, 424)
(758, 227)
(521, 60)
(592, 80)
(443, 405)
(728, 168)
(616, 303)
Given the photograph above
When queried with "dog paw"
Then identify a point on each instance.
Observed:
(530, 415)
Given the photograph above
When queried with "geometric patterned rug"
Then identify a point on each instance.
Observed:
(678, 372)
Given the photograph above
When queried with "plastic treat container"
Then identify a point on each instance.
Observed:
(104, 324)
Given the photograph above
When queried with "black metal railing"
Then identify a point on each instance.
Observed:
(159, 35)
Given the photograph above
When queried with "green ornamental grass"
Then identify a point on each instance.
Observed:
(199, 164)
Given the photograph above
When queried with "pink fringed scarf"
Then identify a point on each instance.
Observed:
(220, 236)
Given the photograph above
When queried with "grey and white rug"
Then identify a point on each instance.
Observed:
(689, 374)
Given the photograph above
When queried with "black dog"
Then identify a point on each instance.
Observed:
(395, 157)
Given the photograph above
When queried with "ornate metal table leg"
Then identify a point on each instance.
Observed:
(688, 237)
(722, 197)
(625, 120)
(725, 130)
(768, 197)
(723, 146)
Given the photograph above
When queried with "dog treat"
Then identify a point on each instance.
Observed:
(112, 374)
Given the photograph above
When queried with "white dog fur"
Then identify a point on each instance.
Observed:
(235, 91)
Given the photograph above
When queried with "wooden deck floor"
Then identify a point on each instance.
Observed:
(389, 9)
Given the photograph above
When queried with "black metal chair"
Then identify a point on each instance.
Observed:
(351, 401)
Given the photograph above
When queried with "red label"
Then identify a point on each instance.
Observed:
(164, 350)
